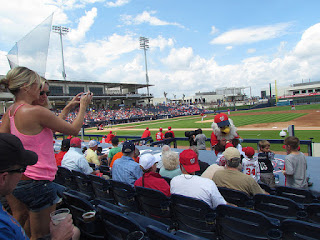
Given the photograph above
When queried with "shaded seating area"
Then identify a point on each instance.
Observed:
(122, 209)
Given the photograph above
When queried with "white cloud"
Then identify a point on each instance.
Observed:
(252, 34)
(179, 58)
(214, 30)
(161, 43)
(309, 45)
(85, 23)
(117, 3)
(146, 17)
(229, 47)
(251, 50)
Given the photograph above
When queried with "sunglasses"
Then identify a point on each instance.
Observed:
(19, 170)
(44, 92)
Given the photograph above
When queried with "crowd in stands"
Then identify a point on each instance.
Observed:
(28, 165)
(152, 112)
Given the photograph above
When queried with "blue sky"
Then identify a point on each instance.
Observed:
(194, 45)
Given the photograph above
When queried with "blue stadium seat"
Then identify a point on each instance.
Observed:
(154, 204)
(279, 207)
(79, 204)
(125, 196)
(297, 195)
(69, 179)
(235, 223)
(84, 183)
(118, 224)
(155, 233)
(299, 230)
(101, 188)
(236, 197)
(193, 215)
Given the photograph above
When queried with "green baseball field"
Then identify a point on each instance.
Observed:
(251, 124)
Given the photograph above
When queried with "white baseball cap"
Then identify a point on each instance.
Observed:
(147, 160)
(93, 143)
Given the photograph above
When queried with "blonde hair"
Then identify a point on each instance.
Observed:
(18, 78)
(170, 160)
(263, 144)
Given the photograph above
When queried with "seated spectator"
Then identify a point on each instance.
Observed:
(151, 179)
(171, 166)
(211, 170)
(114, 150)
(232, 178)
(165, 149)
(91, 155)
(203, 165)
(13, 162)
(191, 185)
(74, 159)
(65, 145)
(125, 169)
(120, 154)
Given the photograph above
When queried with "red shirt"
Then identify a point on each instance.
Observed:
(155, 181)
(59, 157)
(170, 131)
(159, 136)
(146, 134)
(109, 137)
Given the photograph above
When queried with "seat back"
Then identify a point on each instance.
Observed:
(84, 183)
(235, 223)
(278, 207)
(267, 188)
(313, 211)
(193, 215)
(297, 195)
(299, 230)
(105, 170)
(69, 179)
(236, 197)
(124, 195)
(117, 224)
(101, 188)
(154, 204)
(155, 233)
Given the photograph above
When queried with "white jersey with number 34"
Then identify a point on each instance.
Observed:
(251, 167)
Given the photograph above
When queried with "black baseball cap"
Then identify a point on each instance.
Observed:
(128, 147)
(13, 153)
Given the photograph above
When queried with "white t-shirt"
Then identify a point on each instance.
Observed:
(251, 167)
(197, 187)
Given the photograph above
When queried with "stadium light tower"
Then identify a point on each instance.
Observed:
(144, 44)
(61, 31)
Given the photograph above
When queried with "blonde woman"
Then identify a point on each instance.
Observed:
(171, 167)
(33, 124)
(44, 101)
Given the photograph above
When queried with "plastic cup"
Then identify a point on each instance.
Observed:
(58, 215)
(89, 216)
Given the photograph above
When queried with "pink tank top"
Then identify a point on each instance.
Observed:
(42, 144)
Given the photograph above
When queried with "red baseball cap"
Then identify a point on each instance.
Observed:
(110, 131)
(249, 151)
(189, 160)
(75, 142)
(222, 120)
(147, 128)
(229, 145)
(160, 129)
(169, 128)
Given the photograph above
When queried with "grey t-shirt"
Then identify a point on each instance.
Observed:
(296, 169)
(200, 139)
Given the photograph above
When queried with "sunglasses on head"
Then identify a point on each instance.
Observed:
(18, 170)
(44, 92)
